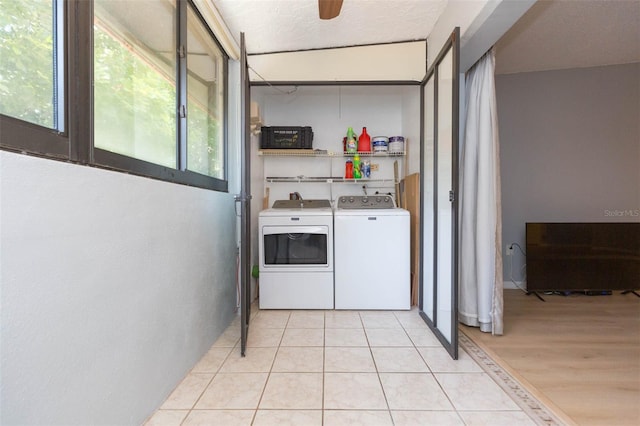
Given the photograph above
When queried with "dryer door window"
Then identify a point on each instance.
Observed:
(296, 247)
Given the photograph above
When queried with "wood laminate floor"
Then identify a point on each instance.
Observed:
(580, 353)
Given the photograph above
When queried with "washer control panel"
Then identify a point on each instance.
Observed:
(366, 202)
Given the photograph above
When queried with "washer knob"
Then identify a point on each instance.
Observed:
(351, 199)
(378, 199)
(365, 200)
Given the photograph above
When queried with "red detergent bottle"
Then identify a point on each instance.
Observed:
(364, 141)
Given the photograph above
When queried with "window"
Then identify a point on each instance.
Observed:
(33, 94)
(148, 92)
(205, 108)
(134, 78)
(29, 54)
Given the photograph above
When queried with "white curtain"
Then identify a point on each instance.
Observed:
(480, 288)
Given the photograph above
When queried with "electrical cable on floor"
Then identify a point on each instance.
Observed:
(513, 280)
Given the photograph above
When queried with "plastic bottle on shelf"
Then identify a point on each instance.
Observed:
(348, 170)
(357, 173)
(352, 145)
(364, 141)
(366, 169)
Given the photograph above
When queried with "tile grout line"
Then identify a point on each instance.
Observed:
(255, 412)
(432, 373)
(212, 377)
(279, 346)
(375, 364)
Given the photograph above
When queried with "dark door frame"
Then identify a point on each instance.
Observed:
(452, 44)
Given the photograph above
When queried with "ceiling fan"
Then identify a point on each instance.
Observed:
(329, 9)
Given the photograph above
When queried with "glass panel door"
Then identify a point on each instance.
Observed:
(439, 183)
(444, 187)
(427, 173)
(244, 198)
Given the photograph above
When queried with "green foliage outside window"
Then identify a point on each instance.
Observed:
(204, 144)
(134, 86)
(134, 104)
(26, 61)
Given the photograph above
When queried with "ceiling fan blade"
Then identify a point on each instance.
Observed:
(329, 9)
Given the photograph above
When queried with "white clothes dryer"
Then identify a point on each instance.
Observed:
(296, 255)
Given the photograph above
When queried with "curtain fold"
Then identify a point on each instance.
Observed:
(480, 279)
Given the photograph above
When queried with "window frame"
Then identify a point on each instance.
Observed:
(30, 138)
(76, 142)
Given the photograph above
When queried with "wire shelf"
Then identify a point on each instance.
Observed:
(308, 179)
(323, 153)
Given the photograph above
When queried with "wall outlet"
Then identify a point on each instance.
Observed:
(509, 250)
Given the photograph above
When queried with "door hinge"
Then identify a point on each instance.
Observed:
(182, 111)
(181, 51)
(242, 198)
(452, 196)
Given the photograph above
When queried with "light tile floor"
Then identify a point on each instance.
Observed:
(336, 368)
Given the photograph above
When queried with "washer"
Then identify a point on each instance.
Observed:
(296, 255)
(372, 254)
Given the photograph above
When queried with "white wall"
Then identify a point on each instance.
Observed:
(570, 148)
(112, 287)
(458, 13)
(481, 22)
(411, 127)
(396, 61)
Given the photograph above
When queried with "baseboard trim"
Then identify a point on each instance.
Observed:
(510, 285)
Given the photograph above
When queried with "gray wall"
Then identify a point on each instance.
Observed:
(112, 287)
(570, 149)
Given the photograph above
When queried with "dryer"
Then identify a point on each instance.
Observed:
(372, 254)
(296, 255)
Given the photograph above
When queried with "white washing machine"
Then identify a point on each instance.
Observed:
(372, 253)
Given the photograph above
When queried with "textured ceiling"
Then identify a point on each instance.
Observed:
(571, 34)
(285, 25)
(553, 34)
